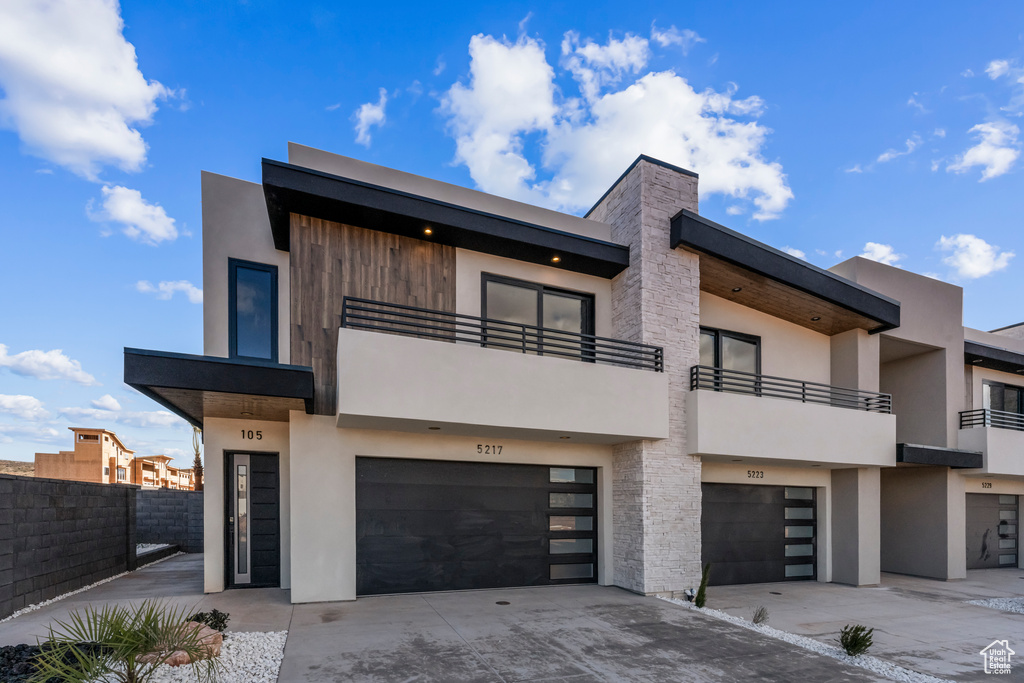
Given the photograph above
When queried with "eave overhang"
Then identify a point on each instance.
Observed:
(993, 357)
(196, 387)
(934, 455)
(293, 189)
(777, 283)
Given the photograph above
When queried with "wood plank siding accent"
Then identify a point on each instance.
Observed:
(330, 261)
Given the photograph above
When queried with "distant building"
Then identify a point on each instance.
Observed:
(101, 457)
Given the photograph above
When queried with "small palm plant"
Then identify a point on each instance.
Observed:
(111, 643)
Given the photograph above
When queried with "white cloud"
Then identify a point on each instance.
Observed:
(939, 132)
(795, 252)
(332, 107)
(585, 143)
(142, 221)
(45, 365)
(967, 73)
(972, 257)
(883, 253)
(30, 432)
(369, 115)
(913, 102)
(685, 39)
(997, 68)
(155, 418)
(106, 402)
(166, 289)
(855, 169)
(734, 210)
(439, 66)
(24, 407)
(890, 154)
(72, 85)
(996, 151)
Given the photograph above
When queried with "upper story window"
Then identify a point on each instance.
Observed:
(121, 473)
(1004, 397)
(88, 437)
(252, 302)
(531, 303)
(730, 350)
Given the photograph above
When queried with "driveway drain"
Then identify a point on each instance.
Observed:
(503, 602)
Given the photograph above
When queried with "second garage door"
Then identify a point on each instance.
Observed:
(758, 534)
(429, 525)
(991, 531)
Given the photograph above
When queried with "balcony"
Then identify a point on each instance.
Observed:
(747, 417)
(998, 435)
(408, 369)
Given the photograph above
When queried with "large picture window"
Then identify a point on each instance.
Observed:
(730, 350)
(537, 305)
(252, 300)
(1005, 397)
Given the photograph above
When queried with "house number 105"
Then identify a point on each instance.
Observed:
(249, 434)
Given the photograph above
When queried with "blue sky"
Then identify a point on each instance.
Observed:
(830, 129)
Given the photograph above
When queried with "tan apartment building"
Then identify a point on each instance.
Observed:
(100, 456)
(413, 386)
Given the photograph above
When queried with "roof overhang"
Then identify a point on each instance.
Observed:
(198, 387)
(293, 189)
(933, 455)
(743, 270)
(993, 357)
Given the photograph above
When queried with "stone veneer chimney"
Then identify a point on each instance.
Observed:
(657, 499)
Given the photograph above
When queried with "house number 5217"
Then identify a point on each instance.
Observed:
(249, 434)
(488, 449)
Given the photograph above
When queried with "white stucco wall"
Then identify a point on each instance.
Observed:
(1003, 450)
(787, 350)
(323, 514)
(220, 435)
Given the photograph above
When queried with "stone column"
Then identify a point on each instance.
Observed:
(656, 500)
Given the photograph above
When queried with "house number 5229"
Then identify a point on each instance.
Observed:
(249, 434)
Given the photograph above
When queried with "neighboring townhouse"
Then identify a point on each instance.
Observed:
(409, 385)
(99, 456)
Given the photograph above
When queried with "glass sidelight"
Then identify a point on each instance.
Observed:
(242, 546)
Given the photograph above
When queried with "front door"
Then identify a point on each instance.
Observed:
(253, 546)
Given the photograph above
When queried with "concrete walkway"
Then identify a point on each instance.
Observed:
(920, 624)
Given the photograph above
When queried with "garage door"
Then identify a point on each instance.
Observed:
(428, 525)
(757, 534)
(991, 530)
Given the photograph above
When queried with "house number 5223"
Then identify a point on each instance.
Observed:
(249, 434)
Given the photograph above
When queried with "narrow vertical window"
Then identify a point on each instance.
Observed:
(252, 330)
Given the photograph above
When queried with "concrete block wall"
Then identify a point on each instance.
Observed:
(57, 536)
(170, 516)
(657, 499)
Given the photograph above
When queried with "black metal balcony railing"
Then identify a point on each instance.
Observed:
(719, 379)
(366, 314)
(983, 417)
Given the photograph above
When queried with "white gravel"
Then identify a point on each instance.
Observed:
(1004, 604)
(143, 548)
(39, 605)
(873, 664)
(246, 657)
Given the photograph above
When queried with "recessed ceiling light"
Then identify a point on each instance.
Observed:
(737, 289)
(738, 460)
(556, 259)
(815, 318)
(815, 465)
(246, 413)
(565, 437)
(428, 231)
(433, 429)
(976, 361)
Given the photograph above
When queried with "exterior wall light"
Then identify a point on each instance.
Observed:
(556, 259)
(428, 231)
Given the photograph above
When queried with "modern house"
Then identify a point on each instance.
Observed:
(101, 457)
(410, 386)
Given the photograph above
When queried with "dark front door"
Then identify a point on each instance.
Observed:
(428, 525)
(253, 504)
(991, 531)
(758, 534)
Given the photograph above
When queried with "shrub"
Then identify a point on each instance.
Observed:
(855, 639)
(702, 591)
(107, 643)
(215, 619)
(760, 615)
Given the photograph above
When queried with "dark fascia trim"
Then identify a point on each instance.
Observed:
(993, 357)
(934, 455)
(650, 160)
(294, 189)
(700, 234)
(147, 370)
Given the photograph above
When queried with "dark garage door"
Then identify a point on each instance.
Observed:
(758, 534)
(991, 531)
(429, 525)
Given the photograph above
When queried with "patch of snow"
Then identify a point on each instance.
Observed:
(143, 548)
(1004, 604)
(40, 605)
(873, 664)
(245, 657)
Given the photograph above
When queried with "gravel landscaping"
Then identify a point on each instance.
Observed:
(143, 548)
(872, 664)
(1002, 604)
(246, 657)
